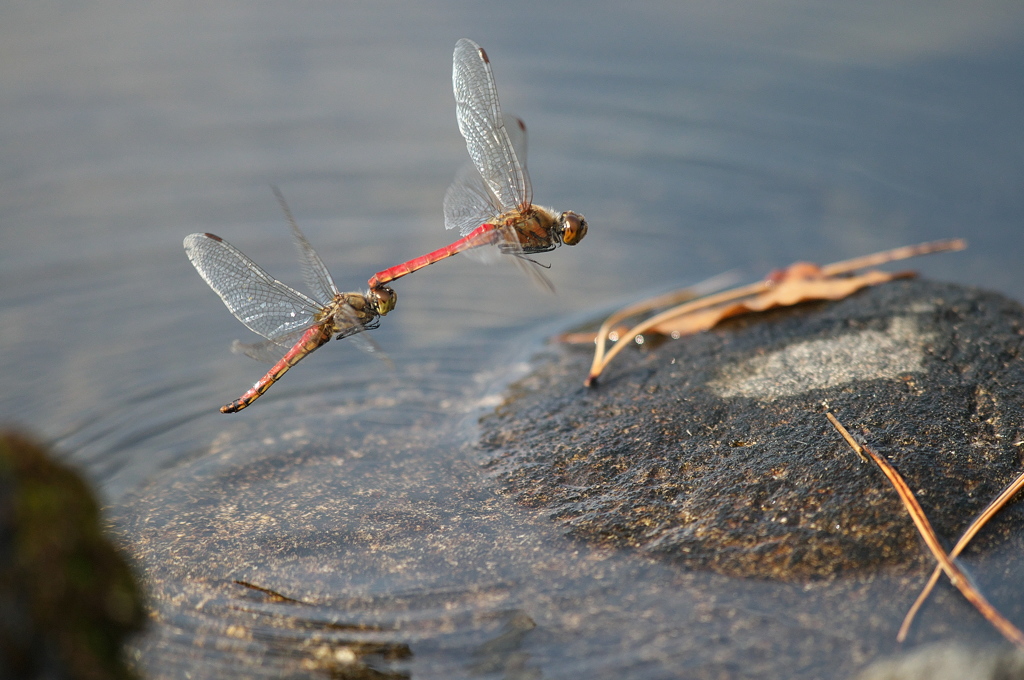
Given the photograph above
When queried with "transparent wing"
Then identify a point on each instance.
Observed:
(516, 129)
(261, 302)
(347, 319)
(314, 271)
(481, 123)
(534, 271)
(368, 344)
(468, 202)
(267, 351)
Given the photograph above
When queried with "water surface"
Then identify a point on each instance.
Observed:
(697, 138)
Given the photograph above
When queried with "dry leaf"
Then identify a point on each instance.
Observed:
(796, 285)
(801, 282)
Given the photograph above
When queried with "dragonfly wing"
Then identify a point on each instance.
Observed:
(314, 271)
(516, 129)
(261, 302)
(534, 271)
(480, 122)
(267, 351)
(347, 320)
(468, 202)
(368, 344)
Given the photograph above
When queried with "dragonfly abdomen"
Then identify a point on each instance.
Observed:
(483, 235)
(311, 340)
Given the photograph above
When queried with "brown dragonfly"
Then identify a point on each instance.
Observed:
(491, 200)
(292, 323)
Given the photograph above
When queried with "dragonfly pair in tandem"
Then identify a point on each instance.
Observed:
(490, 202)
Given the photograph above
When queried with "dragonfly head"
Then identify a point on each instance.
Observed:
(383, 299)
(573, 226)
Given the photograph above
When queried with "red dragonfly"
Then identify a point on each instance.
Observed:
(491, 200)
(291, 322)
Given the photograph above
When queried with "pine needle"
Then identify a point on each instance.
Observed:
(956, 576)
(988, 513)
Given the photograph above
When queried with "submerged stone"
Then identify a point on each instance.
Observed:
(714, 451)
(949, 662)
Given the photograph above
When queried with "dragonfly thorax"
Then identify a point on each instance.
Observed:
(535, 228)
(539, 229)
(348, 313)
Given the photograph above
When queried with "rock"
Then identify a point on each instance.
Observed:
(362, 537)
(949, 662)
(67, 597)
(713, 451)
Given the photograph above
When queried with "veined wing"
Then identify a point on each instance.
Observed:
(271, 351)
(469, 202)
(480, 122)
(314, 271)
(261, 302)
(268, 351)
(347, 319)
(516, 129)
(534, 271)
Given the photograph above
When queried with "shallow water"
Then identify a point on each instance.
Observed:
(696, 138)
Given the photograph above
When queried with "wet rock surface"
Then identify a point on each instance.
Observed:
(365, 535)
(949, 662)
(713, 451)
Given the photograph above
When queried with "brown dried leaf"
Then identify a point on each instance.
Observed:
(798, 284)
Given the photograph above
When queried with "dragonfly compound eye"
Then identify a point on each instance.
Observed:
(384, 299)
(574, 227)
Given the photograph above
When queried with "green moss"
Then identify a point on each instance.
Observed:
(76, 595)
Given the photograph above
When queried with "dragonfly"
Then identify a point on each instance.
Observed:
(490, 201)
(292, 322)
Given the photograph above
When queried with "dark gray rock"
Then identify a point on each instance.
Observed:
(360, 536)
(713, 450)
(949, 662)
